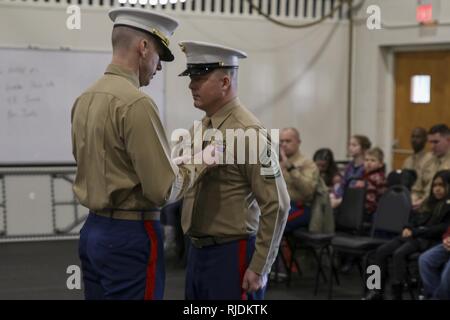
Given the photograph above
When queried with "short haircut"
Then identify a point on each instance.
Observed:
(422, 131)
(296, 133)
(363, 141)
(231, 73)
(441, 128)
(377, 153)
(123, 37)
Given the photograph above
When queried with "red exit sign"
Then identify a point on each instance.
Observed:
(424, 13)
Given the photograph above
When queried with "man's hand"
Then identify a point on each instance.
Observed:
(335, 202)
(182, 160)
(252, 281)
(406, 233)
(210, 156)
(360, 184)
(213, 154)
(283, 160)
(446, 243)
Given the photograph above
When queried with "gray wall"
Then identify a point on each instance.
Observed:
(293, 77)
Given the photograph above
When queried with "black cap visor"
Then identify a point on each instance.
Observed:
(203, 68)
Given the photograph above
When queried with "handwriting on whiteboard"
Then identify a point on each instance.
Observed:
(22, 91)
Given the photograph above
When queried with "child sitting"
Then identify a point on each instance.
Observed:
(425, 228)
(374, 180)
(357, 147)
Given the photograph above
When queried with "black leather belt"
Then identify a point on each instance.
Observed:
(133, 215)
(202, 242)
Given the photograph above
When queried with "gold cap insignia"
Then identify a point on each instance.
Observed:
(159, 34)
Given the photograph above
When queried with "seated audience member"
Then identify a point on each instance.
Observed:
(301, 175)
(420, 156)
(434, 267)
(329, 171)
(439, 138)
(374, 180)
(358, 145)
(426, 226)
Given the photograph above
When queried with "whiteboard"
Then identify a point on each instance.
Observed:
(37, 90)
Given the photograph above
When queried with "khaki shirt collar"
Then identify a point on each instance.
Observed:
(122, 72)
(419, 154)
(295, 157)
(223, 113)
(445, 158)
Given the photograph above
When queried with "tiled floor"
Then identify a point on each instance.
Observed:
(37, 270)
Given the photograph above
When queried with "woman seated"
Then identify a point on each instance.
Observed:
(328, 169)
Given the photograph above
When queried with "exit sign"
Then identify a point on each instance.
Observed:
(424, 13)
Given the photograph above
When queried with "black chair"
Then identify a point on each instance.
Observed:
(405, 177)
(318, 244)
(349, 219)
(287, 266)
(391, 216)
(350, 213)
(413, 281)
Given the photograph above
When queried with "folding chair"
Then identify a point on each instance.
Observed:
(319, 243)
(391, 216)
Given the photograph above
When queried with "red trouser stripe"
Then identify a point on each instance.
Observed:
(296, 214)
(152, 262)
(242, 265)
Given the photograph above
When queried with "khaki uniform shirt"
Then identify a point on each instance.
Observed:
(234, 200)
(303, 179)
(416, 162)
(434, 164)
(121, 149)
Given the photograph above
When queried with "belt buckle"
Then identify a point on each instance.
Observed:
(202, 242)
(195, 243)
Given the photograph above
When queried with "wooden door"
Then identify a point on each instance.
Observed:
(408, 114)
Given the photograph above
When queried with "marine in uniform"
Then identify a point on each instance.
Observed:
(235, 215)
(302, 177)
(124, 172)
(439, 138)
(418, 159)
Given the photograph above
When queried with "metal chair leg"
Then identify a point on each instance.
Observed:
(360, 270)
(319, 270)
(293, 261)
(330, 283)
(365, 265)
(332, 266)
(289, 265)
(318, 258)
